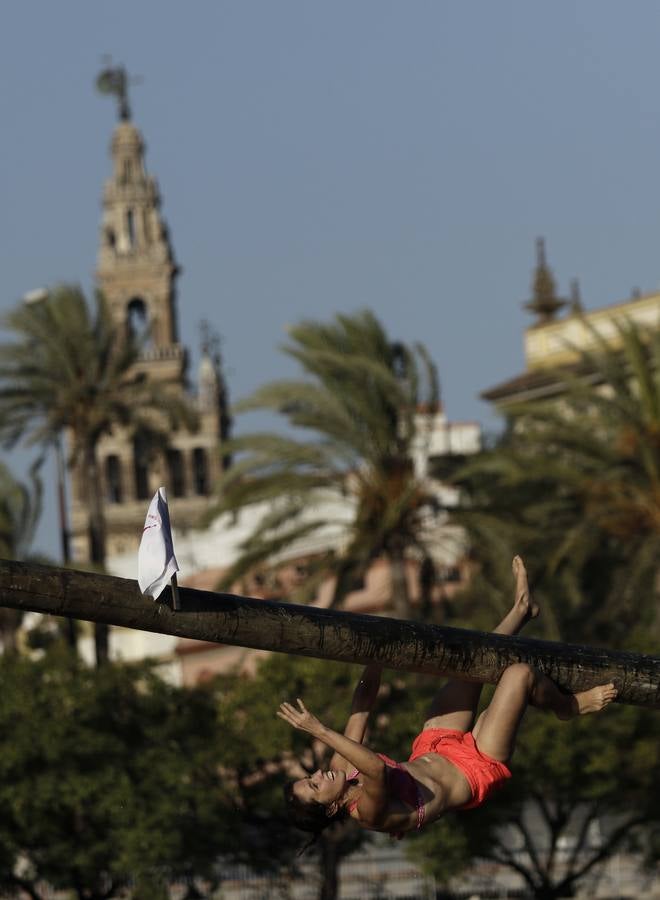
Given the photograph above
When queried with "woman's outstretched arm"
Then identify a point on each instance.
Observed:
(356, 754)
(364, 698)
(374, 798)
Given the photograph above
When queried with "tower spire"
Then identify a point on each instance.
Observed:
(212, 386)
(136, 267)
(544, 302)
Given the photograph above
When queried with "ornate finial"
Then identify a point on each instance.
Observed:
(540, 253)
(114, 80)
(204, 336)
(209, 342)
(210, 346)
(576, 300)
(545, 302)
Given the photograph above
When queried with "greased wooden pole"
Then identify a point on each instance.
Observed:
(324, 633)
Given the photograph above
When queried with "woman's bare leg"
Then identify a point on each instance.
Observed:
(519, 686)
(456, 703)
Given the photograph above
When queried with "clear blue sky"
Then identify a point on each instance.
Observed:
(322, 157)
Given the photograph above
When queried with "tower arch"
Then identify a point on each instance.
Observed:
(138, 321)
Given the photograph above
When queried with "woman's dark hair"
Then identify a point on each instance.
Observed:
(312, 816)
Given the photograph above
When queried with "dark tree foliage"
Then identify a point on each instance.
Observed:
(107, 777)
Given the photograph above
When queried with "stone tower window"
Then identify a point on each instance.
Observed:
(137, 319)
(140, 470)
(110, 237)
(200, 472)
(128, 171)
(113, 479)
(130, 227)
(175, 470)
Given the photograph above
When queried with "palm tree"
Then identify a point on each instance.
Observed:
(20, 507)
(353, 423)
(72, 370)
(576, 482)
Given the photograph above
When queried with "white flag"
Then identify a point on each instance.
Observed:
(156, 560)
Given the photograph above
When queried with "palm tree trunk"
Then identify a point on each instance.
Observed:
(325, 633)
(399, 582)
(96, 535)
(329, 869)
(70, 626)
(344, 576)
(426, 580)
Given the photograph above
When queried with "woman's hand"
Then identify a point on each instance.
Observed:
(300, 718)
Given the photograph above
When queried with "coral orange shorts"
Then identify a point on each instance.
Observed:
(483, 773)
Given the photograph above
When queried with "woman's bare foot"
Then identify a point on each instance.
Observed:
(523, 609)
(591, 701)
(522, 603)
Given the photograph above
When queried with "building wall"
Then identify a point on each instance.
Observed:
(559, 342)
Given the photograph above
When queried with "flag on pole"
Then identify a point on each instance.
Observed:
(157, 564)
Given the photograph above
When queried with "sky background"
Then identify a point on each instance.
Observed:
(323, 157)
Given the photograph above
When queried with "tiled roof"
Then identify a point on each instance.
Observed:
(532, 384)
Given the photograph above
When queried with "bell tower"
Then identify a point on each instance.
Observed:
(136, 273)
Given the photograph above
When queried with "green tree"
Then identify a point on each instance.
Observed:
(264, 754)
(71, 370)
(108, 777)
(352, 430)
(581, 791)
(574, 483)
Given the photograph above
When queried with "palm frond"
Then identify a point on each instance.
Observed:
(20, 508)
(577, 481)
(355, 407)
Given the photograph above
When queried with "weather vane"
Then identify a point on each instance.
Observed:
(114, 80)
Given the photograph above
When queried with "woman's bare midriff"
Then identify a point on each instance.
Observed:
(442, 787)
